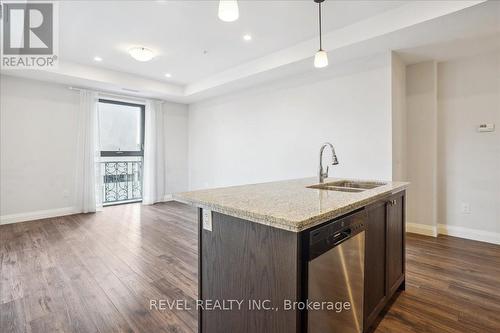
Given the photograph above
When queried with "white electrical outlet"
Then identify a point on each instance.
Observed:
(486, 128)
(207, 219)
(465, 208)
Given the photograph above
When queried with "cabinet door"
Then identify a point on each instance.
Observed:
(375, 265)
(395, 242)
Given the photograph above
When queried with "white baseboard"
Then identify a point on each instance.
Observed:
(468, 233)
(165, 198)
(422, 229)
(36, 215)
(461, 232)
(168, 197)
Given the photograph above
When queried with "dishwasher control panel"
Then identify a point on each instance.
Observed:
(335, 232)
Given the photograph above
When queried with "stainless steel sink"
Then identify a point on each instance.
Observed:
(356, 184)
(347, 186)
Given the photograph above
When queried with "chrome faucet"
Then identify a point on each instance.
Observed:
(324, 174)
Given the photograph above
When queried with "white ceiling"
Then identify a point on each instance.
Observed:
(284, 41)
(180, 31)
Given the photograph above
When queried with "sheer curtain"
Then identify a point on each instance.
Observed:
(154, 154)
(88, 168)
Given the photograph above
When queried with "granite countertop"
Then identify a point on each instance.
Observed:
(288, 204)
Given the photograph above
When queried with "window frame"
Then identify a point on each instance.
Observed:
(108, 153)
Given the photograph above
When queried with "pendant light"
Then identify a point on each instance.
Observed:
(321, 57)
(228, 10)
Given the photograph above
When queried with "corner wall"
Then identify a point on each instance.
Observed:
(399, 119)
(469, 161)
(454, 170)
(421, 107)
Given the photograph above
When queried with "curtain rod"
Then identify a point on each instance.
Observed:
(110, 94)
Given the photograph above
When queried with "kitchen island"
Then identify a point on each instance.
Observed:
(258, 254)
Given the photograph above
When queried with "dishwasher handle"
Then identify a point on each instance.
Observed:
(340, 237)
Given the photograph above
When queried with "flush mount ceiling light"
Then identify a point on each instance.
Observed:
(247, 37)
(228, 10)
(321, 57)
(168, 75)
(141, 54)
(98, 59)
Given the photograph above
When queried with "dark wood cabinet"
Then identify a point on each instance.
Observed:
(384, 254)
(375, 261)
(243, 260)
(395, 242)
(251, 263)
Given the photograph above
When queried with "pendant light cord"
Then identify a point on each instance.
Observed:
(320, 38)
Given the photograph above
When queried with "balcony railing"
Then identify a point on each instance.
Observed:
(122, 180)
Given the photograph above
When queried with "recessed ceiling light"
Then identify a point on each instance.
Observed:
(99, 59)
(141, 53)
(168, 75)
(247, 37)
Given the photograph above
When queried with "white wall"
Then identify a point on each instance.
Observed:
(176, 135)
(275, 132)
(450, 165)
(421, 103)
(399, 118)
(37, 147)
(469, 162)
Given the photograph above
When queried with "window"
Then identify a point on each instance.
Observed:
(121, 132)
(121, 128)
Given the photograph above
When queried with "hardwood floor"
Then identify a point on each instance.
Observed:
(98, 273)
(452, 285)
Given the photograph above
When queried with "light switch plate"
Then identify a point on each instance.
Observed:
(207, 219)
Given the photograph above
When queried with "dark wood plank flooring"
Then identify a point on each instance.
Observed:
(452, 285)
(98, 273)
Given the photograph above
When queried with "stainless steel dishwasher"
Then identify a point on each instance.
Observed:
(336, 274)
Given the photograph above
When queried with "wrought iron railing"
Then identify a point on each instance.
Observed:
(122, 181)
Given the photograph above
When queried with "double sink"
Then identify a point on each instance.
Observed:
(347, 186)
